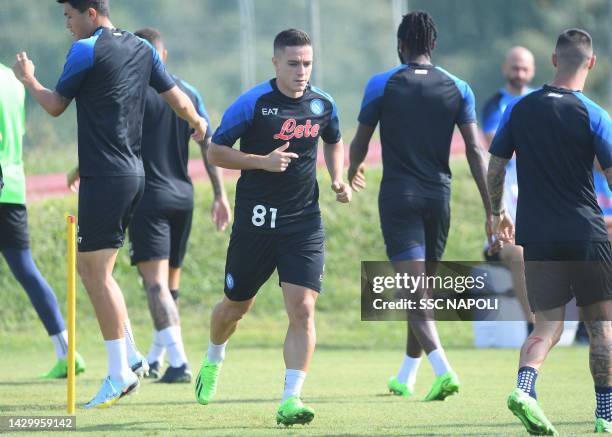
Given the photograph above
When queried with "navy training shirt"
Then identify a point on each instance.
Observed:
(108, 74)
(265, 119)
(418, 107)
(494, 108)
(165, 151)
(556, 134)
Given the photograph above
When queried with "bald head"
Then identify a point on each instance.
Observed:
(518, 69)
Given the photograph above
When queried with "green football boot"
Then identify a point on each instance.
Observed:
(206, 382)
(397, 388)
(294, 412)
(530, 414)
(60, 370)
(603, 426)
(443, 386)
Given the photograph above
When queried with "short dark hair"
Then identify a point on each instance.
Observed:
(418, 33)
(291, 38)
(154, 36)
(574, 47)
(82, 5)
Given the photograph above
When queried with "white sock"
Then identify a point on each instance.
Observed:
(132, 352)
(171, 338)
(157, 351)
(294, 380)
(60, 342)
(408, 372)
(438, 361)
(118, 368)
(216, 352)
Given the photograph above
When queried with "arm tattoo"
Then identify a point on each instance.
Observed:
(213, 172)
(495, 180)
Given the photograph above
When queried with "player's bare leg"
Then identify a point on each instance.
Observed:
(301, 334)
(523, 403)
(225, 318)
(95, 269)
(422, 336)
(299, 346)
(223, 323)
(597, 318)
(158, 350)
(546, 333)
(512, 257)
(174, 283)
(165, 318)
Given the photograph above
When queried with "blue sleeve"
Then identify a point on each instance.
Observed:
(160, 80)
(79, 61)
(467, 110)
(601, 128)
(503, 142)
(331, 134)
(467, 113)
(371, 104)
(491, 116)
(602, 140)
(200, 108)
(236, 120)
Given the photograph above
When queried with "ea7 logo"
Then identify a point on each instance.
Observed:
(269, 111)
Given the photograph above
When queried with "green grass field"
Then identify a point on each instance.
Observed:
(346, 384)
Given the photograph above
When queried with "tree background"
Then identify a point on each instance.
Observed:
(357, 40)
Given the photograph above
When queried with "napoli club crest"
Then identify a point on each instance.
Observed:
(229, 281)
(317, 107)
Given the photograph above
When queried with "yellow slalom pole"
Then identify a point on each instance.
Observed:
(71, 311)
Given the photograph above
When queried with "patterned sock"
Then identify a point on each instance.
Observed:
(526, 380)
(603, 395)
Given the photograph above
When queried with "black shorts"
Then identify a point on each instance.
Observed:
(14, 226)
(106, 206)
(415, 226)
(252, 257)
(556, 272)
(160, 234)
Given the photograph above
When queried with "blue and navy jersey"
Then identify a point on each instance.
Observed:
(418, 107)
(265, 119)
(165, 151)
(108, 74)
(494, 108)
(556, 134)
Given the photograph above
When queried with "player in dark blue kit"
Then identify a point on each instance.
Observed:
(417, 105)
(108, 72)
(162, 222)
(278, 222)
(556, 132)
(518, 70)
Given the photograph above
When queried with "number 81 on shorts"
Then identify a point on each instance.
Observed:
(259, 216)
